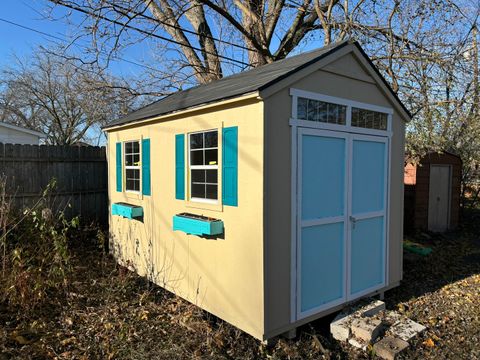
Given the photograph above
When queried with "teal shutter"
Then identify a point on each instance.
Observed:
(146, 167)
(119, 167)
(180, 166)
(230, 166)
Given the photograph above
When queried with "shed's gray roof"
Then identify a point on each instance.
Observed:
(235, 85)
(228, 87)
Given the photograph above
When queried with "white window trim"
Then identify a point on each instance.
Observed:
(133, 167)
(202, 167)
(294, 121)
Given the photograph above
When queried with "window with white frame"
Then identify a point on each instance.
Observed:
(336, 113)
(203, 151)
(321, 111)
(132, 166)
(369, 119)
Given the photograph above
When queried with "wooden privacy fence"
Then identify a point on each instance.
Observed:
(80, 173)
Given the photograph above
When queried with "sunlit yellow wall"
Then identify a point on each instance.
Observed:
(223, 276)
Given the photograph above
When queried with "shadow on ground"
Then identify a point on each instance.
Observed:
(440, 290)
(109, 312)
(455, 256)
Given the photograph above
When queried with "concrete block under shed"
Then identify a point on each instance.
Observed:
(366, 329)
(372, 308)
(340, 327)
(406, 329)
(358, 343)
(391, 317)
(389, 347)
(364, 325)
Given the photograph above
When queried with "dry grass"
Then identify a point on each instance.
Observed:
(110, 313)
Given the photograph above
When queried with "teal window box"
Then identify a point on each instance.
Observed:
(197, 225)
(127, 210)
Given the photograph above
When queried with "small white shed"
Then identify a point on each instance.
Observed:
(12, 134)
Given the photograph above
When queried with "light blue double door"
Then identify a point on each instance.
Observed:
(341, 217)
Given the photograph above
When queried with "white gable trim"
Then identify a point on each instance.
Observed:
(21, 129)
(328, 59)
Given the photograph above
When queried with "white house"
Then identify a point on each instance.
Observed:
(12, 134)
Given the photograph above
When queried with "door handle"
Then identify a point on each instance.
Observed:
(353, 220)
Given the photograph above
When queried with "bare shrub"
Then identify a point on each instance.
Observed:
(35, 254)
(5, 207)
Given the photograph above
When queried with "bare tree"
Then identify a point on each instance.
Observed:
(66, 101)
(266, 30)
(418, 45)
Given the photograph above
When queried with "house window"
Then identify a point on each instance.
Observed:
(320, 111)
(204, 166)
(132, 166)
(369, 119)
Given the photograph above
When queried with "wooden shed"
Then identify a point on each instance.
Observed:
(269, 198)
(432, 192)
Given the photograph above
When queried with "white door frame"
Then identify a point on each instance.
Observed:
(296, 134)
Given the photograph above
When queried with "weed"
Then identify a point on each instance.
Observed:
(35, 257)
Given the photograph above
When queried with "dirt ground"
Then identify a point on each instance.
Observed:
(442, 291)
(110, 313)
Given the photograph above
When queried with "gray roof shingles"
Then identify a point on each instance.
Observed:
(239, 84)
(228, 87)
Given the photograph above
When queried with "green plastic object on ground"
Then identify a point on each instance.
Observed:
(416, 248)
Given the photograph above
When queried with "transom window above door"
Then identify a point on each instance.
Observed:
(321, 111)
(369, 119)
(316, 110)
(203, 150)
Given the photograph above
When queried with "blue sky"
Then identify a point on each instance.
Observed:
(20, 42)
(16, 40)
(32, 14)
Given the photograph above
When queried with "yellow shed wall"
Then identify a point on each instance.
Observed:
(343, 78)
(243, 278)
(222, 276)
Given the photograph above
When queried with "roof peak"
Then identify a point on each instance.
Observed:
(230, 86)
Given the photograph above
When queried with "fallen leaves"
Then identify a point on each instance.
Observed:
(69, 341)
(429, 343)
(111, 313)
(318, 345)
(442, 292)
(24, 337)
(144, 315)
(68, 321)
